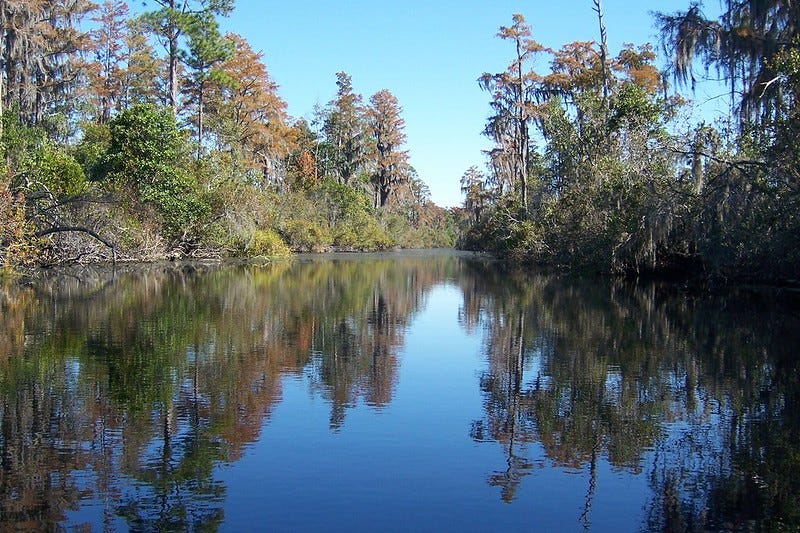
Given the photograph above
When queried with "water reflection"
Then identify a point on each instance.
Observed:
(122, 395)
(698, 393)
(145, 382)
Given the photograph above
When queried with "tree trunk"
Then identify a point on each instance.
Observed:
(173, 75)
(173, 34)
(200, 119)
(385, 195)
(598, 8)
(522, 131)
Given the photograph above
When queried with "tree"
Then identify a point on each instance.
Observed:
(246, 112)
(745, 45)
(39, 45)
(206, 51)
(750, 194)
(143, 159)
(140, 79)
(473, 186)
(108, 44)
(303, 169)
(345, 130)
(513, 98)
(171, 22)
(387, 128)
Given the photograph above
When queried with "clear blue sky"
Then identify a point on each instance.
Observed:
(428, 53)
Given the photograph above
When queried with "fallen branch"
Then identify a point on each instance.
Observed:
(79, 229)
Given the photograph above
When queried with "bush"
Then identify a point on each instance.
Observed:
(307, 236)
(360, 232)
(266, 243)
(92, 149)
(144, 156)
(58, 171)
(16, 247)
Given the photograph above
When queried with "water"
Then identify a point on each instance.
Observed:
(394, 392)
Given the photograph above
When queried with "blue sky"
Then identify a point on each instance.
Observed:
(428, 53)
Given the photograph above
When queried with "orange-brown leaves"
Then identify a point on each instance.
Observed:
(250, 113)
(388, 129)
(637, 65)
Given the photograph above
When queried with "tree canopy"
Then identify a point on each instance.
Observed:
(112, 151)
(596, 167)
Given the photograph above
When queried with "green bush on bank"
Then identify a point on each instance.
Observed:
(266, 243)
(306, 235)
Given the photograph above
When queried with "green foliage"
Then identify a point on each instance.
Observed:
(144, 141)
(266, 243)
(607, 194)
(350, 219)
(58, 171)
(306, 235)
(360, 232)
(145, 156)
(632, 105)
(92, 149)
(39, 162)
(19, 140)
(505, 231)
(176, 198)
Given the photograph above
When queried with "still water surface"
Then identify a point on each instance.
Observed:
(413, 391)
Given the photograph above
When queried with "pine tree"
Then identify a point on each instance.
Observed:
(170, 23)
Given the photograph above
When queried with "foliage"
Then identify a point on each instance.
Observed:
(171, 22)
(266, 243)
(98, 170)
(143, 157)
(58, 171)
(246, 114)
(618, 185)
(92, 149)
(306, 235)
(352, 224)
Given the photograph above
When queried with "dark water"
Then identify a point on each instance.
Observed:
(412, 392)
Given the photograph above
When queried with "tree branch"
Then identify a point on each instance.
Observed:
(80, 229)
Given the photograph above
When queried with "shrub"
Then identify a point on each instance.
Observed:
(92, 149)
(305, 235)
(266, 243)
(360, 232)
(16, 247)
(58, 171)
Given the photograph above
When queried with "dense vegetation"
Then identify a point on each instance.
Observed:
(595, 165)
(112, 151)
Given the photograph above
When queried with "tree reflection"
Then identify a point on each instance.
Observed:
(131, 387)
(691, 389)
